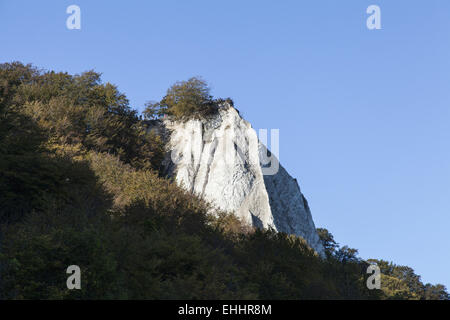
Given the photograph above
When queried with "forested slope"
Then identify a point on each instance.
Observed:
(80, 185)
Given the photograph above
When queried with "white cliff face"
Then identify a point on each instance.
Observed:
(219, 159)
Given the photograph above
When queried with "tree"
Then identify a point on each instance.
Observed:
(436, 292)
(347, 254)
(184, 99)
(328, 242)
(154, 110)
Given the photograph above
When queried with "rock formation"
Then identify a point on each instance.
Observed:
(222, 160)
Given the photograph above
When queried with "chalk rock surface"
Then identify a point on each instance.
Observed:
(222, 160)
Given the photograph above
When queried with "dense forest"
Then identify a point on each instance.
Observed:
(80, 184)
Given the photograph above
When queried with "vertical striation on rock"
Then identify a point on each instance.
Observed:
(220, 160)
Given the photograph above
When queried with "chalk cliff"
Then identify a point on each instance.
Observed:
(222, 160)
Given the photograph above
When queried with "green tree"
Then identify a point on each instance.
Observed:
(154, 110)
(184, 99)
(328, 242)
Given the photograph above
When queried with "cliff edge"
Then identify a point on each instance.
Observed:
(222, 160)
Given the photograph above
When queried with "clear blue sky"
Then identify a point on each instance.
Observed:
(363, 115)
